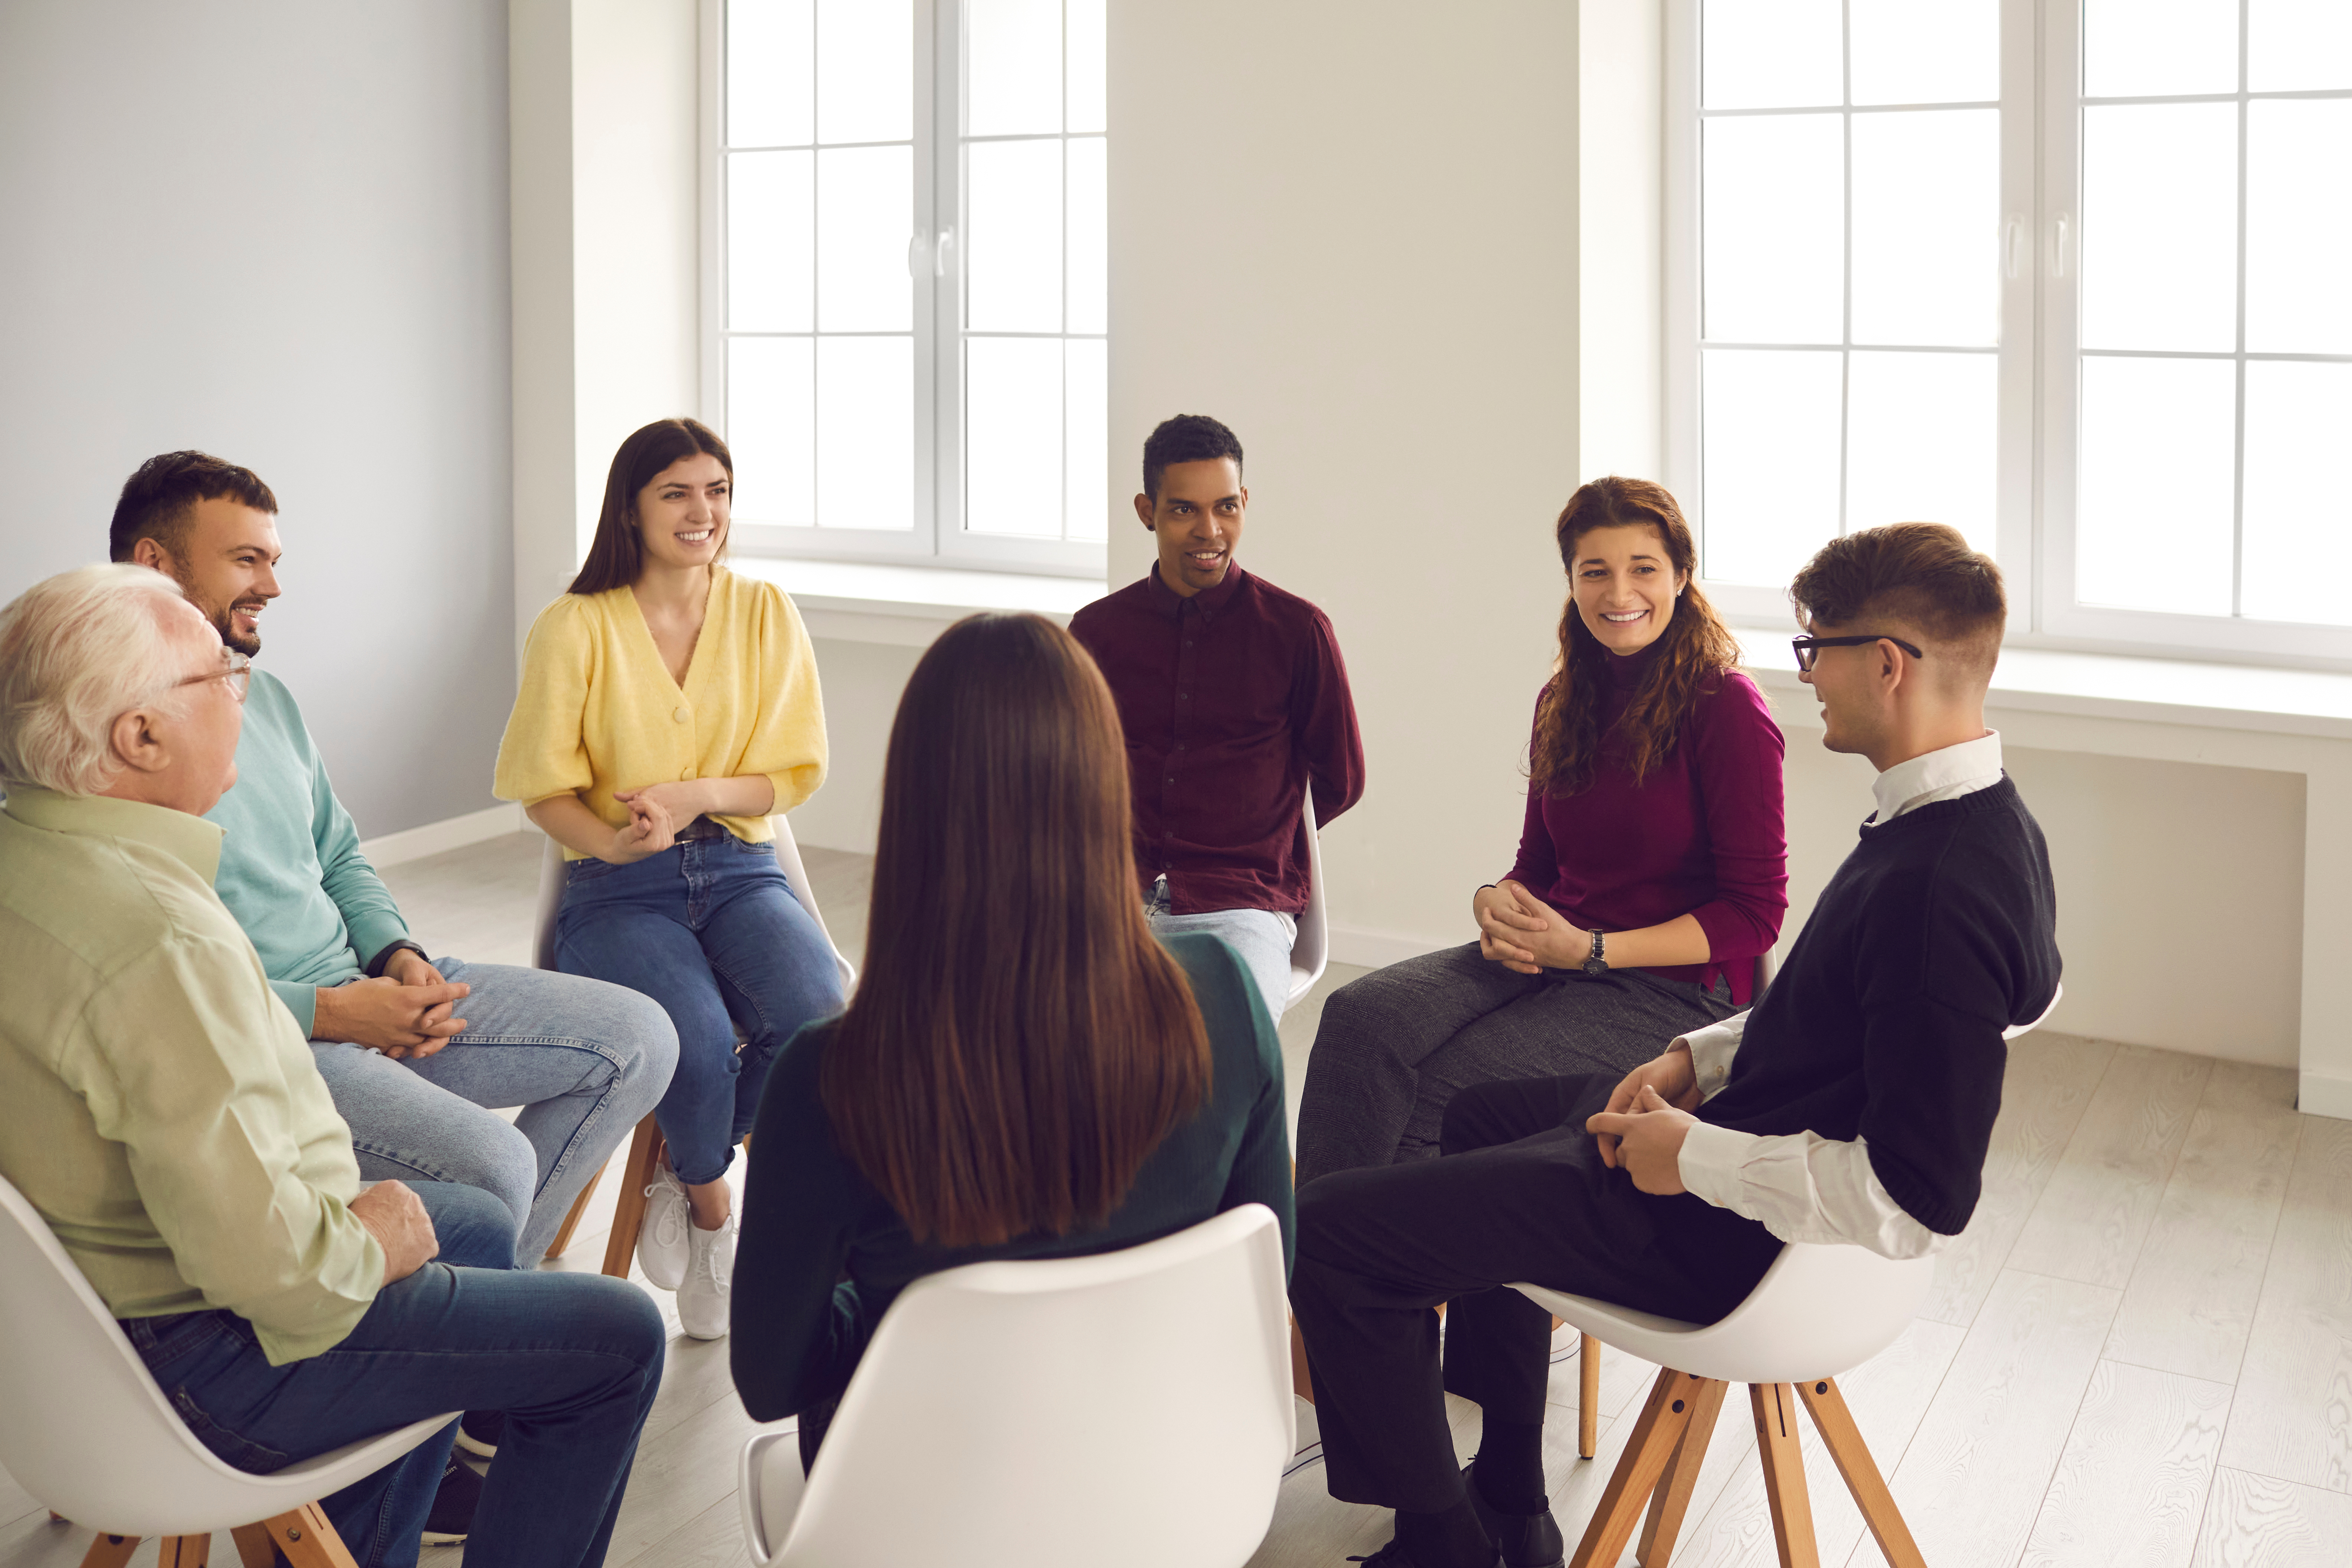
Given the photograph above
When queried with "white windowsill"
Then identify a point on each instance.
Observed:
(909, 606)
(2114, 686)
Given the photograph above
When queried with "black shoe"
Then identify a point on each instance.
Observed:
(479, 1432)
(1394, 1555)
(453, 1506)
(1528, 1540)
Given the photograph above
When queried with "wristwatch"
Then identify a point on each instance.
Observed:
(1595, 963)
(382, 960)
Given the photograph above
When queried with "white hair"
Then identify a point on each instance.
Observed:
(77, 652)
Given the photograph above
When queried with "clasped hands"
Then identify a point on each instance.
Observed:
(406, 1015)
(1649, 1114)
(655, 814)
(1523, 933)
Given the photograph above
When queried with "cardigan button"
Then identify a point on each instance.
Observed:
(681, 715)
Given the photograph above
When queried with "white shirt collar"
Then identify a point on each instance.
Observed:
(1937, 775)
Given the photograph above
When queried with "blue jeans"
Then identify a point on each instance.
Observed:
(710, 929)
(573, 1359)
(1261, 939)
(584, 1060)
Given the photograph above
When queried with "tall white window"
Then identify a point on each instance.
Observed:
(2068, 274)
(909, 288)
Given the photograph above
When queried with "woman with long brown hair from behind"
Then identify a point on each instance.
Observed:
(1652, 871)
(1024, 1071)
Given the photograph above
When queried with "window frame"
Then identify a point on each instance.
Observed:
(938, 538)
(2039, 357)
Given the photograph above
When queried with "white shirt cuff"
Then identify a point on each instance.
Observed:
(1712, 1049)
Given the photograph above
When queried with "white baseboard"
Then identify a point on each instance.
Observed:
(2322, 1094)
(455, 833)
(1379, 948)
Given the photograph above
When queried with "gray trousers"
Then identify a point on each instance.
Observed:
(1394, 1047)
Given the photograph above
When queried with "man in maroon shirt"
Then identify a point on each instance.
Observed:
(1235, 703)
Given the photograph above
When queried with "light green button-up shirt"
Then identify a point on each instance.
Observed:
(158, 1104)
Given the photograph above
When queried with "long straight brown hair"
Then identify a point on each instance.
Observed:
(1686, 662)
(616, 556)
(1019, 1043)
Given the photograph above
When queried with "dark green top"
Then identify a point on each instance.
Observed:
(823, 1255)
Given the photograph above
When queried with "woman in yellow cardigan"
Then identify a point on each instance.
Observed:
(667, 707)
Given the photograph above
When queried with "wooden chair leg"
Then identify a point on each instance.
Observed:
(1587, 1396)
(109, 1551)
(1673, 1399)
(1778, 1444)
(1843, 1440)
(253, 1547)
(1671, 1501)
(571, 1221)
(308, 1540)
(185, 1551)
(645, 1152)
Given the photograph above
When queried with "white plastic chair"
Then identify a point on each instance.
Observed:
(85, 1428)
(1310, 953)
(1820, 1309)
(620, 1243)
(1131, 1405)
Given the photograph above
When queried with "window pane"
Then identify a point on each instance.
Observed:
(1921, 445)
(1907, 52)
(1085, 437)
(865, 199)
(1012, 66)
(2299, 226)
(2294, 46)
(2160, 226)
(1090, 238)
(772, 429)
(866, 75)
(1013, 208)
(1770, 54)
(1089, 55)
(1927, 228)
(2298, 508)
(770, 257)
(2140, 48)
(864, 433)
(2153, 526)
(770, 72)
(1013, 435)
(1768, 427)
(1773, 208)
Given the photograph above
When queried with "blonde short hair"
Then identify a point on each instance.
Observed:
(77, 652)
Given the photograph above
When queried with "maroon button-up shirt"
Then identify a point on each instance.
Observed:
(1235, 702)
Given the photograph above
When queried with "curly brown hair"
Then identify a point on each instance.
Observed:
(1690, 655)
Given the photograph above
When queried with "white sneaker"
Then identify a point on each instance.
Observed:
(710, 1278)
(661, 1236)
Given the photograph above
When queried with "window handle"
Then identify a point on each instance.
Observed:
(2012, 248)
(916, 243)
(940, 252)
(2060, 231)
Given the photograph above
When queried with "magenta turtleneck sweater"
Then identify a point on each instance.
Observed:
(1702, 835)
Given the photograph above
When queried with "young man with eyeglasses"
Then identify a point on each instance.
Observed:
(1852, 1104)
(414, 1074)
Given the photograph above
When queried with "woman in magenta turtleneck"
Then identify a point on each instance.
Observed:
(1652, 874)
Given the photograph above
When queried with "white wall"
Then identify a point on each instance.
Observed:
(276, 230)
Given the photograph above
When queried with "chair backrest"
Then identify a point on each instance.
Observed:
(788, 860)
(1311, 953)
(1135, 1404)
(83, 1426)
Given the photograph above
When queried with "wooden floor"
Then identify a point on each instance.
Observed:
(2139, 1355)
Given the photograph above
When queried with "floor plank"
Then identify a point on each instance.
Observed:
(2049, 1081)
(37, 1541)
(1972, 1479)
(2293, 1417)
(2190, 1302)
(711, 1539)
(2096, 1210)
(2131, 1485)
(2254, 1521)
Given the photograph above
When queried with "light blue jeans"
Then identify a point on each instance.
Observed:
(1262, 938)
(585, 1061)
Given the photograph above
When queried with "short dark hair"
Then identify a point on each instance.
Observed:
(1922, 576)
(617, 554)
(1187, 438)
(159, 498)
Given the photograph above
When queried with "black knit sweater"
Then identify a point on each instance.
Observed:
(1937, 933)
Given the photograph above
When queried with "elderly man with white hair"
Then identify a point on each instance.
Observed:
(166, 1117)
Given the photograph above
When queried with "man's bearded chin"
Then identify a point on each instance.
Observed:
(224, 623)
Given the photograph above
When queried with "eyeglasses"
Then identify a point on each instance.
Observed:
(237, 669)
(1809, 649)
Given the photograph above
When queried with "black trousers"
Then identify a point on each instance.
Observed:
(1518, 1193)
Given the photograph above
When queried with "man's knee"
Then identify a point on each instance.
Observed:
(475, 1230)
(1479, 1115)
